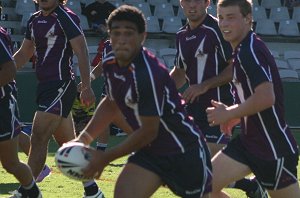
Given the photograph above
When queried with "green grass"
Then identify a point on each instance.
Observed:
(59, 186)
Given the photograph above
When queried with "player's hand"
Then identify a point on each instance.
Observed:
(217, 114)
(227, 127)
(97, 164)
(193, 91)
(87, 96)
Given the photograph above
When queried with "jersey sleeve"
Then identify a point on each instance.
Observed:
(5, 53)
(256, 72)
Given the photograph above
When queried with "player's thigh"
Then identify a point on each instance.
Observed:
(44, 125)
(227, 170)
(214, 148)
(9, 152)
(65, 131)
(291, 191)
(135, 181)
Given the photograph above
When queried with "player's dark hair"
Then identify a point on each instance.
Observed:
(244, 5)
(128, 13)
(60, 1)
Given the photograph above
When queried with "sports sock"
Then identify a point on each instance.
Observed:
(101, 146)
(32, 190)
(90, 188)
(244, 184)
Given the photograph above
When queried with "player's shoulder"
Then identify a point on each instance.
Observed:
(64, 12)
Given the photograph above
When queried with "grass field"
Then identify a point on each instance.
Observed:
(59, 186)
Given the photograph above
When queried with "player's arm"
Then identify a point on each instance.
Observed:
(192, 92)
(178, 75)
(262, 98)
(80, 49)
(25, 52)
(97, 71)
(7, 72)
(138, 139)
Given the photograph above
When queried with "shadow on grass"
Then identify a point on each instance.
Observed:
(6, 187)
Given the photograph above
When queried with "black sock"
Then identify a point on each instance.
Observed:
(22, 190)
(91, 189)
(32, 190)
(246, 185)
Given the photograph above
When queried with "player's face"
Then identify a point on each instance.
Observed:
(194, 10)
(233, 25)
(48, 5)
(126, 41)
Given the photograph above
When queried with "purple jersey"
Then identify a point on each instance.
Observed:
(266, 133)
(51, 35)
(5, 56)
(144, 88)
(203, 54)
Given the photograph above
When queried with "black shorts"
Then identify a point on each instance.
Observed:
(271, 174)
(211, 134)
(56, 97)
(9, 118)
(187, 175)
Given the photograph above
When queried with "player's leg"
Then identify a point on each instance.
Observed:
(11, 163)
(135, 181)
(225, 171)
(65, 131)
(44, 125)
(288, 192)
(24, 144)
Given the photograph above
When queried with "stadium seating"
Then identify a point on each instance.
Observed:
(180, 14)
(293, 59)
(74, 5)
(84, 22)
(175, 3)
(289, 75)
(259, 13)
(288, 28)
(171, 24)
(268, 4)
(266, 27)
(296, 14)
(281, 64)
(279, 14)
(144, 7)
(23, 6)
(156, 2)
(212, 9)
(164, 10)
(153, 24)
(157, 43)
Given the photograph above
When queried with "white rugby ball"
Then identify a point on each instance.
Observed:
(71, 158)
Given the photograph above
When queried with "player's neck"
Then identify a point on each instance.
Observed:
(48, 11)
(195, 23)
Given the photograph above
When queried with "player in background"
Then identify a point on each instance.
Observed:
(203, 62)
(168, 147)
(9, 122)
(265, 146)
(54, 33)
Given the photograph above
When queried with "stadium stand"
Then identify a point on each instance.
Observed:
(144, 7)
(24, 6)
(153, 25)
(171, 24)
(279, 14)
(164, 10)
(288, 28)
(266, 27)
(156, 2)
(296, 14)
(259, 13)
(268, 4)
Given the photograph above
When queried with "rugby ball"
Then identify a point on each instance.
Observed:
(71, 158)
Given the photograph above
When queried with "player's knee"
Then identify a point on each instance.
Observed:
(11, 166)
